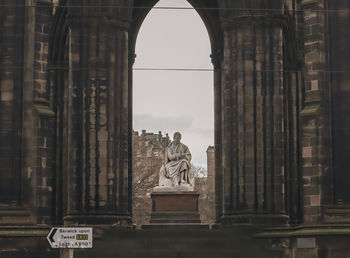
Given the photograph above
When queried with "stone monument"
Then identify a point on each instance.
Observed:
(175, 174)
(174, 201)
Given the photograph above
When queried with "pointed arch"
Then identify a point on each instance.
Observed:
(207, 10)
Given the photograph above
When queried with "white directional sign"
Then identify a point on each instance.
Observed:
(70, 237)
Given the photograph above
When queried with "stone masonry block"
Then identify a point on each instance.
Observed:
(312, 56)
(311, 171)
(307, 152)
(311, 190)
(315, 200)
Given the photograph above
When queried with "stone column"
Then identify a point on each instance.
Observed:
(11, 56)
(315, 118)
(98, 120)
(217, 62)
(252, 118)
(339, 63)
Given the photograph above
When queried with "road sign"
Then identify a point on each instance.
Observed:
(70, 237)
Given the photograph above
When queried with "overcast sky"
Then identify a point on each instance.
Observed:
(171, 101)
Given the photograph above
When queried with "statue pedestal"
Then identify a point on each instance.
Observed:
(170, 207)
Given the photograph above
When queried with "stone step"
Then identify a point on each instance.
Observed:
(175, 217)
(154, 253)
(175, 226)
(181, 242)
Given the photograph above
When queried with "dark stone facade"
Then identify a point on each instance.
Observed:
(281, 86)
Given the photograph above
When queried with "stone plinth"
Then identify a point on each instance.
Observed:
(170, 207)
(337, 214)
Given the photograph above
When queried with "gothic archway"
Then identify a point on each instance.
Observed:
(209, 14)
(80, 144)
(249, 105)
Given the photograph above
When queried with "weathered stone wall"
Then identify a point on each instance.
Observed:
(11, 73)
(27, 123)
(43, 117)
(43, 16)
(315, 115)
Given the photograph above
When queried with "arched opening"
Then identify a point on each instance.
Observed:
(98, 127)
(92, 98)
(172, 91)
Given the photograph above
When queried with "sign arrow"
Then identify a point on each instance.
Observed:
(53, 232)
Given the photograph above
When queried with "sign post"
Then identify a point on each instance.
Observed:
(70, 238)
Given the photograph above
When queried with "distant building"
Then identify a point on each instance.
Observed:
(148, 157)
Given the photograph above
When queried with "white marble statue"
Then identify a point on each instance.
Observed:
(175, 174)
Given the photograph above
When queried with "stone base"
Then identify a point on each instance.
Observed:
(15, 215)
(176, 226)
(254, 219)
(175, 217)
(173, 189)
(337, 214)
(175, 207)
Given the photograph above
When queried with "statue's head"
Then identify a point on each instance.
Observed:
(177, 137)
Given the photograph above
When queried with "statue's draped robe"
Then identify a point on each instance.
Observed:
(176, 171)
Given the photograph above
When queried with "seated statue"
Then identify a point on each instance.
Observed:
(176, 172)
